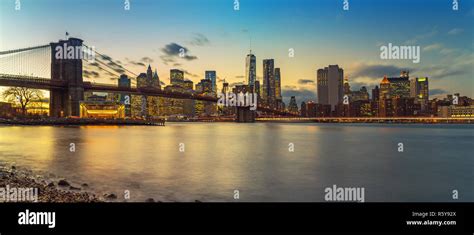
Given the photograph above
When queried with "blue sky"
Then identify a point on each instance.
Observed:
(320, 33)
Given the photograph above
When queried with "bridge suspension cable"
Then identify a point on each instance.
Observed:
(23, 49)
(31, 61)
(110, 60)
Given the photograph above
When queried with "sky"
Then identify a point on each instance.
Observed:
(216, 36)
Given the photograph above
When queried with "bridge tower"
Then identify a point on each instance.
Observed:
(66, 102)
(244, 114)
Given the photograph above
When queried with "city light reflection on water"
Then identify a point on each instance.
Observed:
(219, 158)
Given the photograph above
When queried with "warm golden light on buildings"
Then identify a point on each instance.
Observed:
(103, 110)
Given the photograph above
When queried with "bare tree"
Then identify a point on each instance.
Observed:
(22, 96)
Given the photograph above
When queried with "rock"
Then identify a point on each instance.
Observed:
(74, 188)
(13, 167)
(63, 183)
(150, 200)
(110, 196)
(85, 185)
(51, 184)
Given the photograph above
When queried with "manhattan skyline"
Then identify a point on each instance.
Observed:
(319, 34)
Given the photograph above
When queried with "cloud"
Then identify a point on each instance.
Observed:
(95, 64)
(199, 40)
(146, 60)
(300, 94)
(431, 47)
(419, 37)
(443, 71)
(119, 70)
(136, 63)
(378, 71)
(455, 31)
(174, 51)
(437, 91)
(446, 51)
(105, 57)
(90, 74)
(190, 74)
(305, 81)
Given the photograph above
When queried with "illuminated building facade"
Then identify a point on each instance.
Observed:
(189, 104)
(176, 77)
(205, 108)
(125, 98)
(211, 75)
(361, 94)
(419, 90)
(100, 107)
(268, 91)
(292, 106)
(251, 69)
(303, 111)
(399, 87)
(278, 98)
(330, 85)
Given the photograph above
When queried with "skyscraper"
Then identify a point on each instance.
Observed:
(257, 89)
(420, 91)
(347, 87)
(303, 109)
(384, 92)
(225, 87)
(176, 77)
(375, 93)
(156, 80)
(330, 85)
(292, 106)
(211, 75)
(250, 69)
(396, 86)
(278, 98)
(268, 94)
(277, 84)
(142, 80)
(419, 88)
(149, 75)
(399, 87)
(188, 104)
(125, 98)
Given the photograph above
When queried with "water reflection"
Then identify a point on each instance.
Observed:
(253, 158)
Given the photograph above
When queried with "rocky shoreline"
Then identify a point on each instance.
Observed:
(47, 190)
(54, 190)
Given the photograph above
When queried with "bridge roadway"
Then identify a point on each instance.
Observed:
(48, 84)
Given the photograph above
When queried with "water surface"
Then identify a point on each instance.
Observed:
(219, 158)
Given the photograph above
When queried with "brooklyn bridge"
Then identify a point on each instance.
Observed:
(19, 68)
